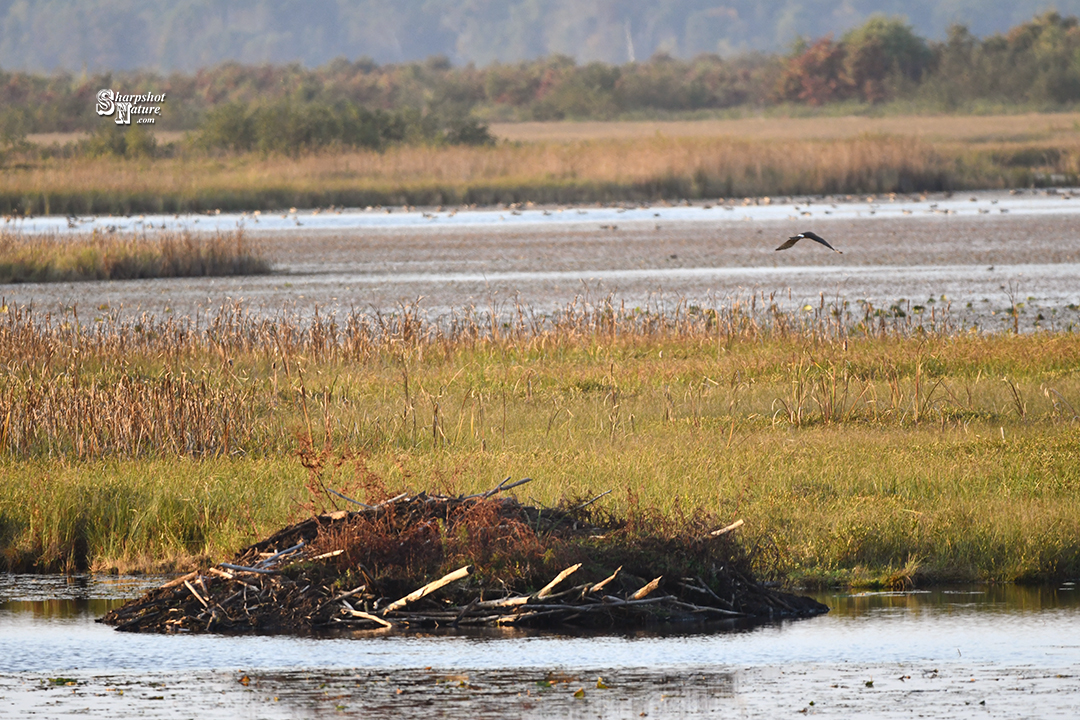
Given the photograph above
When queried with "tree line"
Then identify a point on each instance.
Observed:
(274, 108)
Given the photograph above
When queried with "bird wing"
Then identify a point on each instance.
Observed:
(817, 238)
(791, 241)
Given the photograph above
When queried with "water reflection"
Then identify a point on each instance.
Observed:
(974, 651)
(985, 600)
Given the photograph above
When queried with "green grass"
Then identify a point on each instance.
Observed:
(854, 455)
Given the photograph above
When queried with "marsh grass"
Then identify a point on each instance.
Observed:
(125, 256)
(858, 447)
(604, 170)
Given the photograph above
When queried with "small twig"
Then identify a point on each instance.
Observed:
(590, 502)
(346, 497)
(392, 500)
(267, 561)
(725, 530)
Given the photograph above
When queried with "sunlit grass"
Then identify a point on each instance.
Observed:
(868, 453)
(550, 171)
(125, 256)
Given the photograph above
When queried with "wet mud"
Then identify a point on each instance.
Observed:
(970, 260)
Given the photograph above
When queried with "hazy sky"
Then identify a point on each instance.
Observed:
(127, 34)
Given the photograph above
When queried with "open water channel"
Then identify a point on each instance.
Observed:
(994, 652)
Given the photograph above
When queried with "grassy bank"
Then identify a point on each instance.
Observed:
(554, 171)
(856, 448)
(125, 256)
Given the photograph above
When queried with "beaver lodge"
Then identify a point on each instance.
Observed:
(481, 560)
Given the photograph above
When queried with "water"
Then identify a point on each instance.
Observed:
(920, 651)
(970, 260)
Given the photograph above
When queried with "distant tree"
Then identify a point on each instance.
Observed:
(817, 75)
(881, 51)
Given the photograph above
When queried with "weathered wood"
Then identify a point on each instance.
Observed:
(268, 561)
(365, 616)
(546, 590)
(349, 499)
(600, 585)
(587, 503)
(645, 589)
(195, 592)
(725, 530)
(428, 589)
(180, 580)
(244, 568)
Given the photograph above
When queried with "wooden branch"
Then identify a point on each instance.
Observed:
(645, 589)
(546, 590)
(350, 593)
(501, 487)
(180, 580)
(587, 503)
(392, 500)
(497, 488)
(600, 585)
(222, 573)
(195, 592)
(346, 497)
(365, 616)
(707, 609)
(332, 553)
(244, 568)
(428, 589)
(505, 602)
(267, 561)
(725, 530)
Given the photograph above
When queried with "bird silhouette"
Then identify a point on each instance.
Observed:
(809, 236)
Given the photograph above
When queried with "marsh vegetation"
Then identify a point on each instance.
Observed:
(865, 450)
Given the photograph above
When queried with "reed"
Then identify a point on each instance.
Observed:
(638, 169)
(858, 447)
(125, 256)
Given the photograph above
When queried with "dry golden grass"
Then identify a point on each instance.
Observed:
(125, 256)
(933, 128)
(602, 170)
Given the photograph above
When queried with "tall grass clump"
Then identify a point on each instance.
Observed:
(858, 445)
(125, 256)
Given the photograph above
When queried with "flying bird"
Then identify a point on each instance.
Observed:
(809, 236)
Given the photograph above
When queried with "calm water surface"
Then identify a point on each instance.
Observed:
(925, 652)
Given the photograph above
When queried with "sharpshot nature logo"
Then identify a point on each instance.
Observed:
(146, 108)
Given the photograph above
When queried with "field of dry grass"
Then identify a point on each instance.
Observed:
(933, 128)
(579, 162)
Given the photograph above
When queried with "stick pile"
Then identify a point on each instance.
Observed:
(290, 583)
